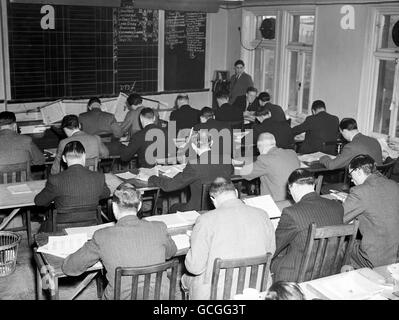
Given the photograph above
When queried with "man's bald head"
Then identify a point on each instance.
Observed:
(266, 141)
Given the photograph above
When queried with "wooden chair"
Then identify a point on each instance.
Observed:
(206, 203)
(327, 250)
(80, 217)
(243, 263)
(14, 173)
(147, 271)
(152, 196)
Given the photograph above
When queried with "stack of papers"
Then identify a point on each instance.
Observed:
(88, 231)
(143, 175)
(176, 220)
(341, 196)
(172, 170)
(19, 188)
(312, 157)
(182, 241)
(126, 175)
(265, 203)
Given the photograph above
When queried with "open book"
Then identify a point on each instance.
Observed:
(266, 203)
(63, 246)
(175, 220)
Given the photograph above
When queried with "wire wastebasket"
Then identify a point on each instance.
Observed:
(9, 243)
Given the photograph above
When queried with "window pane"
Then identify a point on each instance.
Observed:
(387, 26)
(306, 83)
(302, 29)
(384, 96)
(264, 70)
(259, 20)
(294, 82)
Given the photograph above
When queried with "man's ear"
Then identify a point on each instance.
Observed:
(139, 206)
(64, 159)
(236, 192)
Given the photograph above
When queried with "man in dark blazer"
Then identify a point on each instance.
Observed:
(75, 187)
(281, 130)
(147, 137)
(185, 116)
(320, 127)
(276, 111)
(374, 201)
(15, 147)
(227, 112)
(358, 144)
(132, 242)
(247, 102)
(198, 171)
(292, 229)
(98, 122)
(239, 82)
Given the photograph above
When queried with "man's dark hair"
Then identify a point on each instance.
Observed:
(134, 99)
(284, 290)
(7, 117)
(239, 61)
(70, 121)
(126, 196)
(220, 185)
(222, 94)
(348, 124)
(301, 176)
(252, 89)
(73, 149)
(93, 100)
(207, 113)
(318, 104)
(147, 113)
(182, 97)
(264, 96)
(363, 162)
(262, 111)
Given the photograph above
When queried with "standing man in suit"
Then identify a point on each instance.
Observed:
(276, 111)
(132, 242)
(273, 166)
(358, 144)
(320, 127)
(374, 201)
(185, 116)
(227, 112)
(96, 121)
(281, 130)
(247, 102)
(94, 148)
(14, 147)
(143, 140)
(198, 171)
(233, 230)
(77, 187)
(240, 81)
(292, 229)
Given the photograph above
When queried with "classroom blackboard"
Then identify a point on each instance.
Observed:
(185, 40)
(91, 51)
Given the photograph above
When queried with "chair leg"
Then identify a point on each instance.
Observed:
(28, 226)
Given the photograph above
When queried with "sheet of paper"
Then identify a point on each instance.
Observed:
(89, 231)
(63, 246)
(182, 241)
(53, 112)
(311, 157)
(19, 188)
(171, 220)
(74, 106)
(109, 105)
(120, 110)
(190, 216)
(126, 175)
(266, 203)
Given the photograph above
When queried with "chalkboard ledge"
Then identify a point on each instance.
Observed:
(175, 92)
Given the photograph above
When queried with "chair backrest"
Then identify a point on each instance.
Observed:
(79, 217)
(13, 173)
(327, 250)
(387, 168)
(147, 271)
(242, 264)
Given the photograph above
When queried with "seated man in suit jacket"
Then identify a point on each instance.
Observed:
(292, 229)
(276, 111)
(185, 116)
(227, 112)
(94, 148)
(132, 242)
(233, 230)
(374, 201)
(273, 166)
(247, 102)
(15, 147)
(198, 171)
(75, 187)
(358, 144)
(150, 136)
(281, 130)
(96, 121)
(320, 127)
